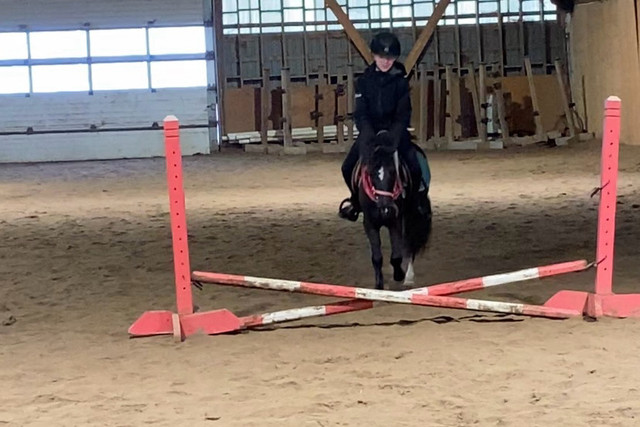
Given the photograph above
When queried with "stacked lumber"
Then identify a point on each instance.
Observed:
(306, 134)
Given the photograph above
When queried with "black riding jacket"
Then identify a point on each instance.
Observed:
(383, 103)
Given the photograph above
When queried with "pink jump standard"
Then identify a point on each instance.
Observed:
(186, 322)
(604, 303)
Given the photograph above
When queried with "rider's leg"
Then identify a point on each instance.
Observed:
(350, 207)
(349, 164)
(408, 153)
(419, 191)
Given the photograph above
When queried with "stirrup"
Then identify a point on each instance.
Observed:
(348, 212)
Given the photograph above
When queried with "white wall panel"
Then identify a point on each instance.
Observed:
(71, 111)
(97, 146)
(108, 110)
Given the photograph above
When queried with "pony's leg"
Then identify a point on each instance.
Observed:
(373, 234)
(395, 235)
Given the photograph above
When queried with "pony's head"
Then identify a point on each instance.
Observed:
(380, 178)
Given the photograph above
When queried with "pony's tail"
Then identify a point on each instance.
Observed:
(417, 227)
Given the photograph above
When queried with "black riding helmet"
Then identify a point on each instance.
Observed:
(385, 44)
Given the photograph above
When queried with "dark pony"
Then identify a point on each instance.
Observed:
(389, 199)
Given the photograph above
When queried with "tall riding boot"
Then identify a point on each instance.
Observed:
(352, 209)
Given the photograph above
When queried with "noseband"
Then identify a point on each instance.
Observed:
(373, 193)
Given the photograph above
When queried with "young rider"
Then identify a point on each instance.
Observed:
(382, 104)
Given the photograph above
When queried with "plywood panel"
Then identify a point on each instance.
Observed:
(338, 59)
(272, 53)
(491, 44)
(456, 108)
(519, 106)
(295, 54)
(240, 109)
(512, 45)
(536, 43)
(468, 45)
(467, 112)
(406, 42)
(302, 104)
(429, 56)
(328, 108)
(230, 52)
(249, 50)
(605, 58)
(557, 44)
(447, 46)
(316, 52)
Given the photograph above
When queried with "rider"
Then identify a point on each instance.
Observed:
(382, 104)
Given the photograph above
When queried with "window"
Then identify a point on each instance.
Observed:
(58, 44)
(466, 7)
(176, 40)
(510, 6)
(13, 46)
(490, 7)
(61, 78)
(530, 5)
(119, 59)
(118, 42)
(279, 15)
(423, 9)
(178, 74)
(120, 75)
(14, 79)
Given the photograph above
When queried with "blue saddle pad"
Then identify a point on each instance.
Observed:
(424, 165)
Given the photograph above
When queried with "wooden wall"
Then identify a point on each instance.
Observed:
(242, 106)
(606, 61)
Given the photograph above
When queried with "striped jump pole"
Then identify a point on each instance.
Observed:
(382, 295)
(503, 278)
(305, 312)
(437, 290)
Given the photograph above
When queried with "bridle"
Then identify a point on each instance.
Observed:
(372, 192)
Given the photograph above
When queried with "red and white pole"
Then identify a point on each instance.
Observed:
(478, 283)
(381, 295)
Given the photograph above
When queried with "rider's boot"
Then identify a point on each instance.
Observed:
(350, 208)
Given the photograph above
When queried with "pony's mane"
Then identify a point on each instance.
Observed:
(379, 151)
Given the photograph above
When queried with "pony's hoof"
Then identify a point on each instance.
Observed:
(399, 276)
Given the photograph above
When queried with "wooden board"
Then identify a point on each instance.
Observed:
(519, 106)
(241, 105)
(302, 104)
(456, 105)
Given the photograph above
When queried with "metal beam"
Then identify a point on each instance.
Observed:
(213, 67)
